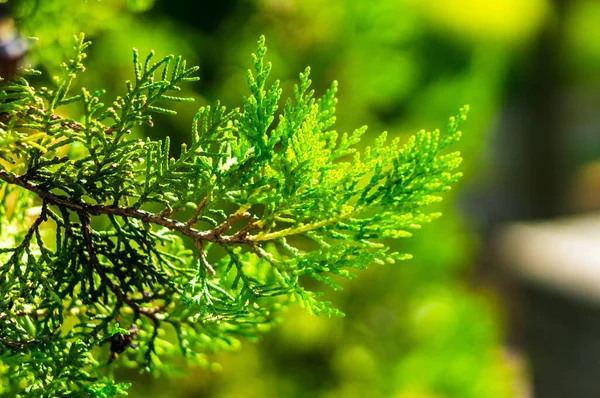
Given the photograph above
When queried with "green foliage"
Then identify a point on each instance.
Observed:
(189, 252)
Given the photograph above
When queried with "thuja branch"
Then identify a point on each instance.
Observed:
(276, 196)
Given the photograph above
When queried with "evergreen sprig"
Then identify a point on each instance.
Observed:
(189, 253)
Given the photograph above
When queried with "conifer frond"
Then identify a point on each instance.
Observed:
(99, 229)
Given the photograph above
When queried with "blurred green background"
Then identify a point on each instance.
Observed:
(434, 326)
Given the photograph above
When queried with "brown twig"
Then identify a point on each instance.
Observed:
(217, 232)
(79, 207)
(203, 258)
(243, 233)
(22, 343)
(194, 219)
